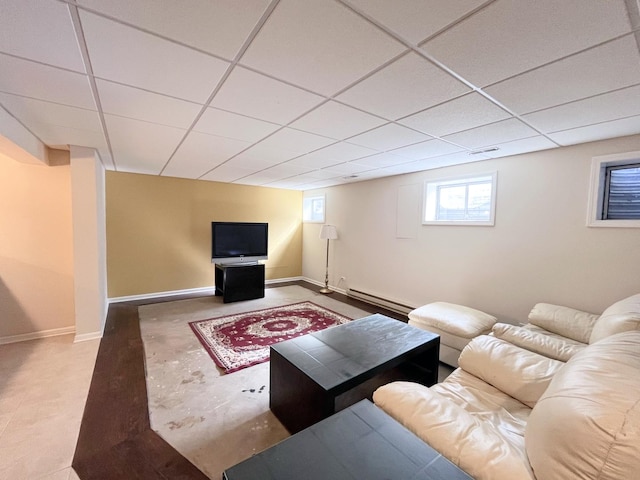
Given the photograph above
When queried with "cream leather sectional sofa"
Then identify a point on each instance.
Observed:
(557, 398)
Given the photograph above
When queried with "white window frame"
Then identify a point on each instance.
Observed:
(595, 204)
(429, 198)
(307, 206)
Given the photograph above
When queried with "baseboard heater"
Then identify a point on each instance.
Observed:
(379, 301)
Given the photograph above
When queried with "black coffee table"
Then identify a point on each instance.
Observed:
(361, 442)
(316, 375)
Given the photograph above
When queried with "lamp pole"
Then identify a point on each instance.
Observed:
(326, 274)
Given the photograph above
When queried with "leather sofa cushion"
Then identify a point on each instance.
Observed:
(622, 316)
(565, 321)
(592, 406)
(553, 347)
(470, 435)
(456, 319)
(520, 373)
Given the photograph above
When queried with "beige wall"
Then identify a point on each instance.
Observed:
(36, 248)
(539, 250)
(159, 230)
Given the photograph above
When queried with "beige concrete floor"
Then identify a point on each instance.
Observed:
(43, 390)
(214, 420)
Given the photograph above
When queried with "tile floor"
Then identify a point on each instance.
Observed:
(43, 389)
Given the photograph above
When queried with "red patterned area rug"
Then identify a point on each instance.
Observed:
(241, 340)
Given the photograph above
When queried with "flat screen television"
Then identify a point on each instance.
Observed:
(239, 242)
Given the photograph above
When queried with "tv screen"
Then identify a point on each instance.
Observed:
(235, 242)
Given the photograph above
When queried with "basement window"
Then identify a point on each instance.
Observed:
(614, 197)
(313, 209)
(468, 200)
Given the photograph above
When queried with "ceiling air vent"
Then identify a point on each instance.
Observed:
(486, 150)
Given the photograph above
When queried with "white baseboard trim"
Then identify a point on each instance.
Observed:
(321, 284)
(87, 336)
(189, 291)
(54, 332)
(147, 296)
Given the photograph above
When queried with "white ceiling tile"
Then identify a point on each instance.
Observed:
(337, 121)
(430, 148)
(294, 142)
(29, 110)
(599, 131)
(200, 152)
(333, 154)
(258, 179)
(142, 105)
(227, 172)
(322, 46)
(408, 85)
(608, 67)
(41, 31)
(409, 167)
(216, 26)
(388, 137)
(141, 147)
(463, 113)
(127, 55)
(525, 145)
(602, 108)
(30, 79)
(52, 134)
(258, 96)
(450, 159)
(381, 160)
(287, 183)
(317, 175)
(285, 170)
(259, 157)
(348, 168)
(511, 36)
(416, 20)
(499, 132)
(232, 125)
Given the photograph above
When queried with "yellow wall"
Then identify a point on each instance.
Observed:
(36, 248)
(159, 230)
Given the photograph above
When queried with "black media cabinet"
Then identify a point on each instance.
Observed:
(240, 281)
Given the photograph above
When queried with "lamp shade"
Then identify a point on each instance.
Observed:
(328, 232)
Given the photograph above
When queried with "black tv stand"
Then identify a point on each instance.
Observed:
(239, 281)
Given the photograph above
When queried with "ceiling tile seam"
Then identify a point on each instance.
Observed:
(143, 30)
(270, 135)
(84, 52)
(49, 101)
(594, 124)
(560, 59)
(245, 45)
(633, 12)
(31, 60)
(427, 56)
(397, 36)
(582, 99)
(142, 89)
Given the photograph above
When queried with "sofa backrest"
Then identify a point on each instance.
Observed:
(587, 423)
(622, 316)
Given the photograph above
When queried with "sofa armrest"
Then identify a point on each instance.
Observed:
(565, 321)
(520, 373)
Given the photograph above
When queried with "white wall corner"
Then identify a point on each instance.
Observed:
(89, 239)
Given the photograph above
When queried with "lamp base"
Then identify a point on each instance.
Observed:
(326, 291)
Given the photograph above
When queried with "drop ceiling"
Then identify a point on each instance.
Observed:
(303, 94)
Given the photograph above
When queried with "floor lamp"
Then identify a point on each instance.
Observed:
(327, 233)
